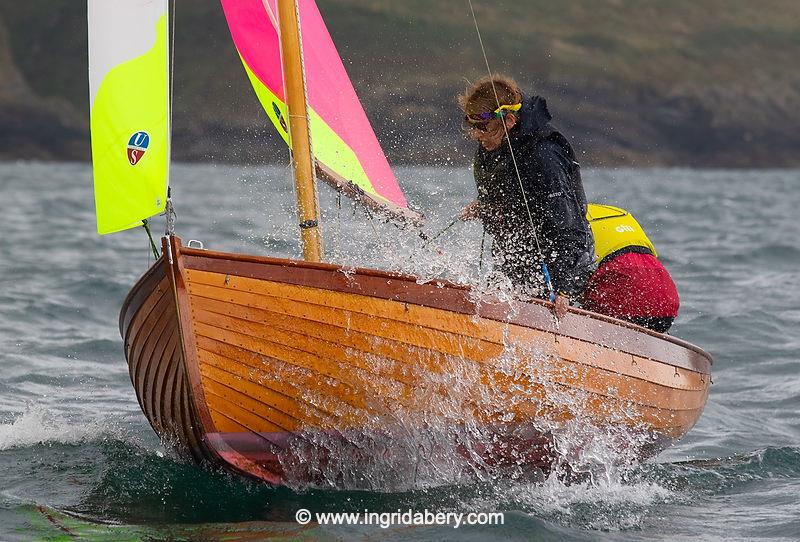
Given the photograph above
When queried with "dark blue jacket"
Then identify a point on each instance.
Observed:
(551, 184)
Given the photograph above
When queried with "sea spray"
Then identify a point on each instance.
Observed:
(39, 426)
(475, 411)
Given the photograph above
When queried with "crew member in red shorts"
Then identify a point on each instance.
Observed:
(630, 282)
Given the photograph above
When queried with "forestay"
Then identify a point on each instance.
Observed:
(129, 106)
(347, 152)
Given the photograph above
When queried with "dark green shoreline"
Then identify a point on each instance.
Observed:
(711, 83)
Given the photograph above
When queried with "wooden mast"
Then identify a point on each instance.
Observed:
(303, 161)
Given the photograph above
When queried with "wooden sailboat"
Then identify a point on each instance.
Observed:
(297, 371)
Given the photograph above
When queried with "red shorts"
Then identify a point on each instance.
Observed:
(632, 286)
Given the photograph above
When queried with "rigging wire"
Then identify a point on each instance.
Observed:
(169, 211)
(429, 240)
(371, 220)
(146, 226)
(545, 271)
(338, 231)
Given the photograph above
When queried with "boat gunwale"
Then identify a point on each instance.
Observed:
(481, 308)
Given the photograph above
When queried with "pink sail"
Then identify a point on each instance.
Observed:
(344, 144)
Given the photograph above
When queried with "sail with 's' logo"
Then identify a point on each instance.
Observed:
(137, 146)
(129, 109)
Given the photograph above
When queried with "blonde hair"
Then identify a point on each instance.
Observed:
(480, 96)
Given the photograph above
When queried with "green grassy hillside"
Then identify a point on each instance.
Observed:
(708, 82)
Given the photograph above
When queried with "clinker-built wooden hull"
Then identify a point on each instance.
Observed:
(290, 372)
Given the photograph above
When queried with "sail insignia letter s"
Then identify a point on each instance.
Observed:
(137, 146)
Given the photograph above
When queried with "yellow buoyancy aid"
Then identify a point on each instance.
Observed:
(615, 229)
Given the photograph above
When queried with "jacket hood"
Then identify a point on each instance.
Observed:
(534, 118)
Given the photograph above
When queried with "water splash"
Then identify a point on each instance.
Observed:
(606, 504)
(453, 418)
(38, 426)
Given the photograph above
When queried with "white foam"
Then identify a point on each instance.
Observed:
(555, 496)
(37, 426)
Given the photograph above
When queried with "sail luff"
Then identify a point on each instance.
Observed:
(129, 110)
(299, 130)
(346, 151)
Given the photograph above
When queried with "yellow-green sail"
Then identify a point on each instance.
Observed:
(129, 106)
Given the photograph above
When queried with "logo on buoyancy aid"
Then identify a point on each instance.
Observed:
(615, 229)
(137, 146)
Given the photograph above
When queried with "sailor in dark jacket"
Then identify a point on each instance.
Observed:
(532, 203)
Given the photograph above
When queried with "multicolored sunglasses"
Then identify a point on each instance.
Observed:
(479, 120)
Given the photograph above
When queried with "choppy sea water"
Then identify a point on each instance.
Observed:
(73, 440)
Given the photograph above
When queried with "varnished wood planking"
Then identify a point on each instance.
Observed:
(388, 326)
(172, 404)
(454, 324)
(552, 369)
(536, 400)
(324, 401)
(260, 303)
(260, 396)
(177, 277)
(331, 362)
(152, 280)
(142, 325)
(159, 361)
(629, 365)
(229, 403)
(603, 382)
(189, 426)
(651, 415)
(383, 366)
(134, 316)
(560, 404)
(304, 313)
(597, 405)
(269, 370)
(163, 398)
(215, 325)
(398, 360)
(147, 340)
(142, 345)
(156, 367)
(666, 375)
(226, 424)
(344, 331)
(155, 370)
(457, 299)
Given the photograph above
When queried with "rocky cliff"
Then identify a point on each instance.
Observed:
(704, 83)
